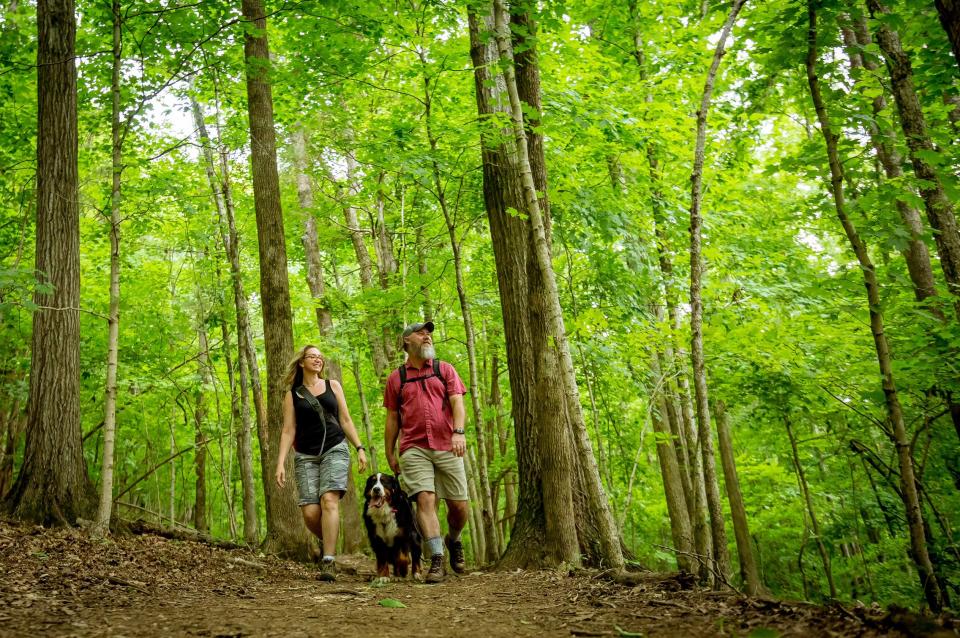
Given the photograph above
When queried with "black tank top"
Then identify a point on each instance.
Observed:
(308, 438)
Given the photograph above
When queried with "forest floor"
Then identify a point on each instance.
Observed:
(61, 582)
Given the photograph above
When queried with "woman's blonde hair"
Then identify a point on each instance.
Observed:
(294, 376)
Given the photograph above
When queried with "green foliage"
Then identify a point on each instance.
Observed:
(786, 328)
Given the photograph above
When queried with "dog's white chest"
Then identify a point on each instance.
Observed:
(385, 521)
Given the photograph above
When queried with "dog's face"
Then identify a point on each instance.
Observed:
(380, 490)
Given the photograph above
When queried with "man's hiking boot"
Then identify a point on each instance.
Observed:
(457, 562)
(436, 572)
(328, 570)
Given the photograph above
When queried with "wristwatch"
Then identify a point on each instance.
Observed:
(459, 431)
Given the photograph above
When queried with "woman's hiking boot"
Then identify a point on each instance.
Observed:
(328, 570)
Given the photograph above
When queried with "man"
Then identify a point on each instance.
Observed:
(426, 410)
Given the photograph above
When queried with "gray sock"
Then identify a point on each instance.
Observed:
(435, 545)
(454, 536)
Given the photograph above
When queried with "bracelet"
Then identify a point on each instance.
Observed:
(360, 448)
(459, 431)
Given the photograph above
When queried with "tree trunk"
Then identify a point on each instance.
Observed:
(487, 532)
(692, 463)
(426, 303)
(200, 521)
(223, 200)
(900, 439)
(226, 459)
(53, 487)
(477, 533)
(949, 11)
(598, 538)
(351, 528)
(738, 513)
(939, 208)
(680, 529)
(315, 277)
(286, 533)
(105, 508)
(533, 541)
(718, 534)
(884, 143)
(500, 436)
(808, 500)
(916, 254)
(367, 425)
(381, 364)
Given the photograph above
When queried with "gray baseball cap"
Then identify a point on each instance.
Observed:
(415, 327)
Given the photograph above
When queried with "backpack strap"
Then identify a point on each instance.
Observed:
(404, 381)
(307, 396)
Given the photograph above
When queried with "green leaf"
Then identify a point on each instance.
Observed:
(628, 634)
(393, 603)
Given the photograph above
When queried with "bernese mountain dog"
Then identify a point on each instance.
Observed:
(390, 527)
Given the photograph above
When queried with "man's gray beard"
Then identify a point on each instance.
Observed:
(427, 352)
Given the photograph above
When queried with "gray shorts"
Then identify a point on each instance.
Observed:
(317, 475)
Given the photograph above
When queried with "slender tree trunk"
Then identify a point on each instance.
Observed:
(717, 531)
(884, 143)
(365, 412)
(738, 513)
(900, 439)
(200, 521)
(226, 459)
(697, 497)
(681, 531)
(427, 302)
(53, 487)
(105, 509)
(916, 254)
(487, 532)
(949, 12)
(223, 200)
(245, 337)
(602, 542)
(811, 511)
(286, 533)
(387, 268)
(381, 364)
(315, 275)
(939, 209)
(477, 538)
(351, 528)
(501, 436)
(172, 499)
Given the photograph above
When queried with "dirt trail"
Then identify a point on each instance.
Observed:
(62, 583)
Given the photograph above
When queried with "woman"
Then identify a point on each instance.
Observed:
(319, 435)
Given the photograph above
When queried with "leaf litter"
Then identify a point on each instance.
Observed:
(62, 582)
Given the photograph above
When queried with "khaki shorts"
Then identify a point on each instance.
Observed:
(440, 472)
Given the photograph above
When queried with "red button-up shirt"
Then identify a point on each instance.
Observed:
(426, 418)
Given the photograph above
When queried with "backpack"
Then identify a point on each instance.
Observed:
(404, 381)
